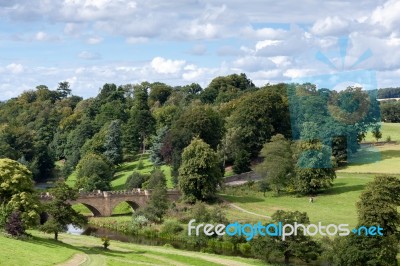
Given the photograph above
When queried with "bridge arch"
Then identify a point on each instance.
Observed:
(132, 204)
(91, 208)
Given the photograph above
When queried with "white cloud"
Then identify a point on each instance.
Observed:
(89, 55)
(136, 40)
(331, 26)
(94, 40)
(15, 68)
(166, 66)
(41, 36)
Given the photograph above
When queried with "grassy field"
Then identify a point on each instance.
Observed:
(126, 169)
(41, 250)
(336, 205)
(379, 159)
(388, 129)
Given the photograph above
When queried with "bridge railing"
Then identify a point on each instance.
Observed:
(99, 193)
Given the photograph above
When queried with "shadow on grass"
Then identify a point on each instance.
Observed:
(340, 188)
(90, 250)
(241, 199)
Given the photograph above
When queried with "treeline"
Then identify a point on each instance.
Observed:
(231, 116)
(390, 111)
(388, 93)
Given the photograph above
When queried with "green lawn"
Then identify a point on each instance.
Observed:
(336, 205)
(380, 159)
(41, 250)
(388, 129)
(126, 169)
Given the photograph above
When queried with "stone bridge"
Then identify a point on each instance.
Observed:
(102, 203)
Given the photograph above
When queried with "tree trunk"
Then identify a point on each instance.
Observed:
(287, 257)
(56, 235)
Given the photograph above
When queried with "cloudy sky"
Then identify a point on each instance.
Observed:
(92, 42)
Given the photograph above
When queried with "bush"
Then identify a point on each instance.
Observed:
(388, 139)
(171, 227)
(106, 242)
(242, 162)
(14, 225)
(140, 164)
(135, 180)
(245, 249)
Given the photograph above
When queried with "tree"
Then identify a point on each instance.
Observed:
(135, 180)
(64, 89)
(376, 132)
(314, 168)
(159, 92)
(158, 203)
(259, 116)
(294, 246)
(93, 172)
(196, 120)
(242, 162)
(377, 206)
(157, 143)
(60, 212)
(112, 144)
(141, 123)
(200, 172)
(15, 225)
(277, 168)
(17, 191)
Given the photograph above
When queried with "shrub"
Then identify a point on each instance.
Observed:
(242, 162)
(388, 139)
(106, 242)
(171, 227)
(14, 225)
(135, 180)
(140, 164)
(245, 249)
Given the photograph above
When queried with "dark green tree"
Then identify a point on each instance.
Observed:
(93, 172)
(60, 212)
(64, 89)
(158, 203)
(112, 143)
(277, 168)
(200, 172)
(377, 207)
(141, 123)
(295, 246)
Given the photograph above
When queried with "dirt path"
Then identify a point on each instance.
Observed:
(76, 260)
(246, 211)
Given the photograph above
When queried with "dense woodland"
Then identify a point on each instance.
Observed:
(233, 116)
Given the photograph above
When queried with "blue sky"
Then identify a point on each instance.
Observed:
(92, 42)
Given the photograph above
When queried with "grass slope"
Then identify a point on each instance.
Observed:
(336, 205)
(126, 169)
(388, 129)
(44, 251)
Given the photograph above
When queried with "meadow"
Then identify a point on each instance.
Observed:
(72, 250)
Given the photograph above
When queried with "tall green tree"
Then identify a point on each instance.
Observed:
(113, 144)
(64, 89)
(94, 172)
(200, 172)
(158, 203)
(141, 123)
(277, 168)
(17, 191)
(60, 212)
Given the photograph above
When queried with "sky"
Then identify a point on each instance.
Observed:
(92, 42)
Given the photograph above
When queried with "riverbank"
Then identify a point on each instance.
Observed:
(41, 250)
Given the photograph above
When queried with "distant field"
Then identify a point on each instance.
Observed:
(380, 159)
(43, 251)
(388, 129)
(336, 205)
